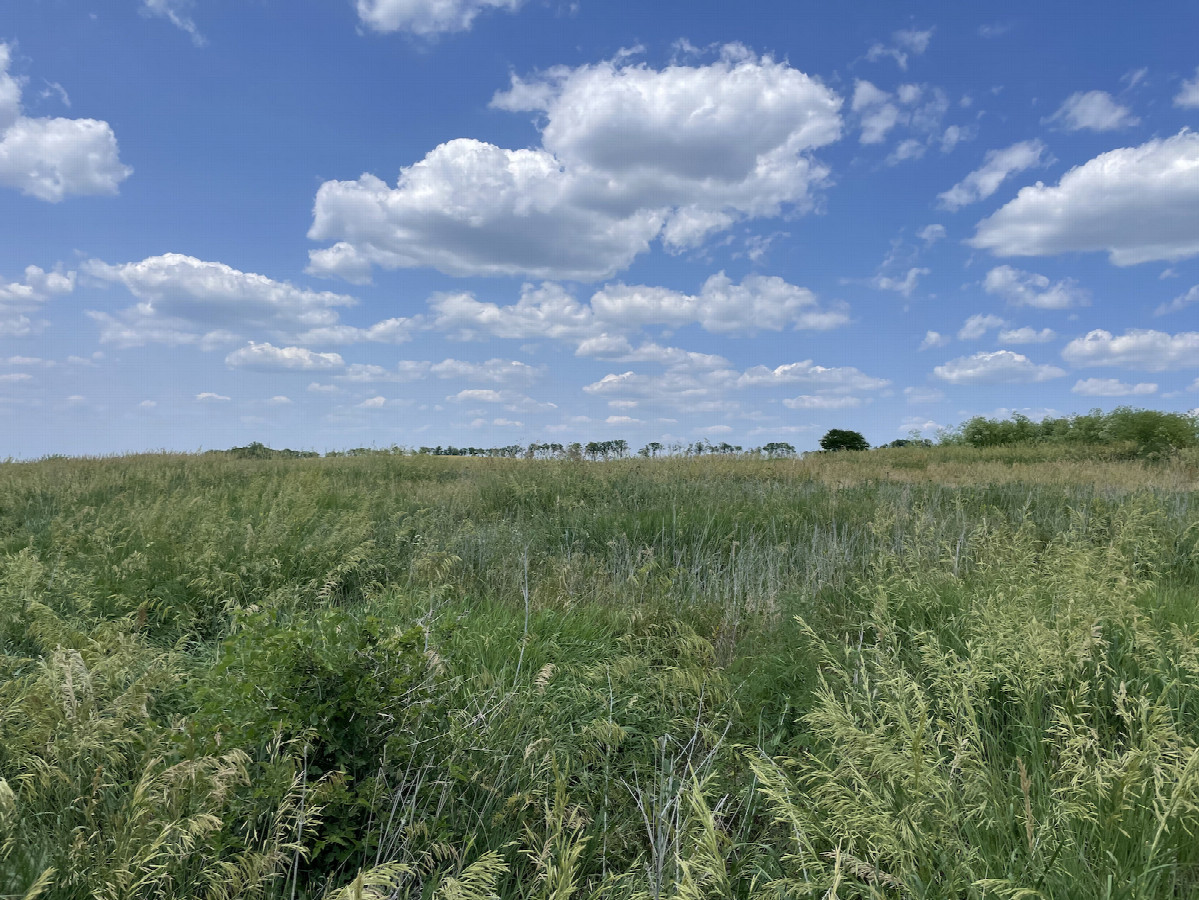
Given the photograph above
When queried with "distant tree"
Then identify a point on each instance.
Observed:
(652, 449)
(778, 448)
(841, 439)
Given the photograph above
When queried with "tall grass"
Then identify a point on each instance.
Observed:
(912, 673)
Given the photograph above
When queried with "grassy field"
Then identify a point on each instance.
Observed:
(910, 673)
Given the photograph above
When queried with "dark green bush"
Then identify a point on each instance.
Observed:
(1143, 432)
(343, 693)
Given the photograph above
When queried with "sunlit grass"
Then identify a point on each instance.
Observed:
(917, 672)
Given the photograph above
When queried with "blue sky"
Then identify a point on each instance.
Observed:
(326, 223)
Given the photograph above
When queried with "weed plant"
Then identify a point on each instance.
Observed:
(953, 672)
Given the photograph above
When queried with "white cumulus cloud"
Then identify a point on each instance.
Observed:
(364, 373)
(269, 358)
(53, 158)
(1138, 348)
(628, 154)
(1138, 204)
(978, 325)
(997, 167)
(827, 379)
(695, 383)
(184, 300)
(757, 303)
(997, 367)
(512, 401)
(1111, 387)
(20, 298)
(1093, 111)
(1026, 335)
(500, 371)
(934, 339)
(426, 17)
(1020, 288)
(1188, 95)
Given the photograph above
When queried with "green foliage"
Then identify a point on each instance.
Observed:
(922, 672)
(257, 450)
(842, 439)
(343, 690)
(1144, 432)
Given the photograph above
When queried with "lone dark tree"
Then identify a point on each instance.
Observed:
(840, 439)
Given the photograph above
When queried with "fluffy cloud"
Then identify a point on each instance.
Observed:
(1188, 95)
(618, 349)
(758, 303)
(1093, 111)
(978, 325)
(690, 390)
(998, 367)
(1020, 288)
(362, 373)
(629, 154)
(512, 401)
(210, 397)
(696, 382)
(499, 371)
(22, 297)
(1026, 335)
(426, 17)
(184, 300)
(1151, 351)
(543, 311)
(836, 380)
(1110, 387)
(53, 158)
(178, 13)
(1138, 204)
(998, 166)
(268, 358)
(878, 114)
(389, 331)
(934, 339)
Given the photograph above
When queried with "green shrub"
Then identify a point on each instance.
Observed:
(343, 692)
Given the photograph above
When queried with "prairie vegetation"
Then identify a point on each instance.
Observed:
(950, 672)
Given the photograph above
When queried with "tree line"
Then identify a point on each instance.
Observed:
(1145, 432)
